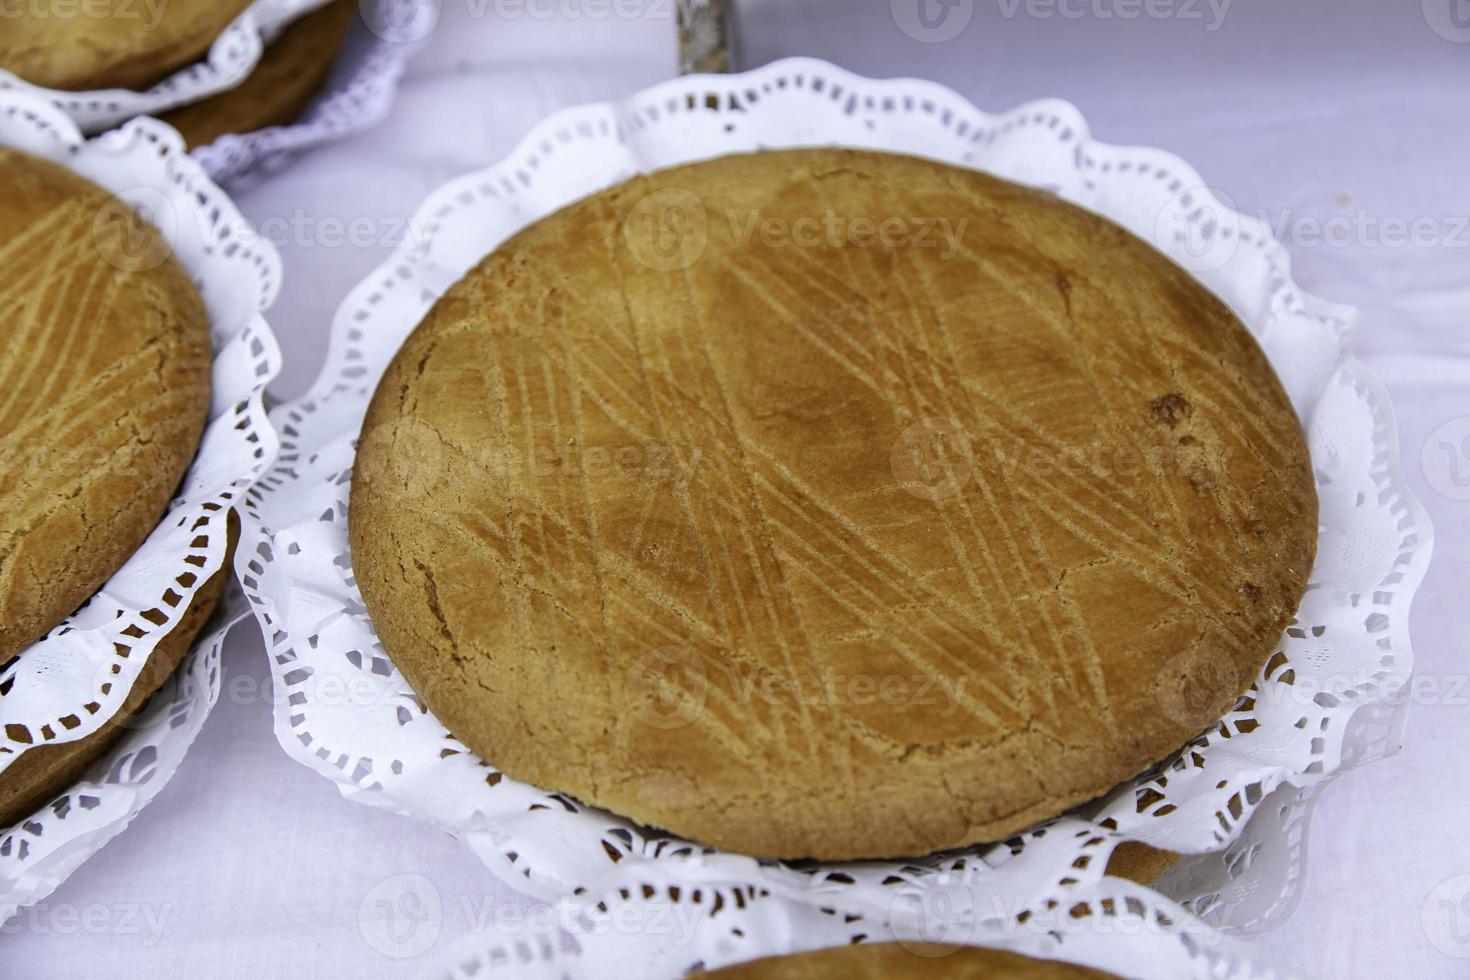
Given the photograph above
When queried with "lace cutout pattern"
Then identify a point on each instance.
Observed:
(82, 671)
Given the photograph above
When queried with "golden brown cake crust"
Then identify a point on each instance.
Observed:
(290, 72)
(41, 774)
(837, 549)
(104, 390)
(905, 961)
(127, 44)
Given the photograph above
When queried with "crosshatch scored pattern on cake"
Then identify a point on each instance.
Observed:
(781, 545)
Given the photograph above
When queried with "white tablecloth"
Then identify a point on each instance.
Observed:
(250, 866)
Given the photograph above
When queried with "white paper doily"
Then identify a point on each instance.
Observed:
(351, 716)
(230, 58)
(673, 926)
(357, 96)
(65, 686)
(41, 852)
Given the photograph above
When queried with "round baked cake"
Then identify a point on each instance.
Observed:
(830, 504)
(291, 71)
(127, 44)
(905, 961)
(104, 390)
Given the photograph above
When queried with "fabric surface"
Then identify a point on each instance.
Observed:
(1342, 122)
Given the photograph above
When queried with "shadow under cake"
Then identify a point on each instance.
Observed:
(830, 504)
(1140, 863)
(41, 774)
(290, 73)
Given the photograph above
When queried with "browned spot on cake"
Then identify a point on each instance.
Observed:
(1170, 409)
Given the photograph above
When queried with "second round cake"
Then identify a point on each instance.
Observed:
(104, 389)
(830, 504)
